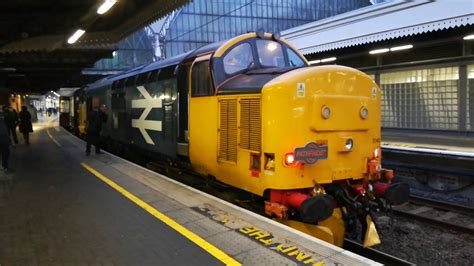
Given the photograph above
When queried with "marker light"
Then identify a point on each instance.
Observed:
(75, 36)
(349, 144)
(290, 159)
(379, 51)
(325, 112)
(106, 6)
(364, 112)
(377, 152)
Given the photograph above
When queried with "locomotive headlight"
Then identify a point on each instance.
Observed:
(289, 158)
(325, 112)
(377, 152)
(364, 112)
(349, 144)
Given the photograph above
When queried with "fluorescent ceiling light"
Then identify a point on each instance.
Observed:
(379, 51)
(330, 59)
(403, 47)
(314, 62)
(106, 6)
(75, 36)
(469, 37)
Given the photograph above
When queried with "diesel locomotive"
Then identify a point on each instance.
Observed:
(251, 113)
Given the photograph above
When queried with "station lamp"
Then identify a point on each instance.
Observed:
(106, 6)
(75, 36)
(330, 59)
(314, 62)
(468, 37)
(403, 47)
(379, 51)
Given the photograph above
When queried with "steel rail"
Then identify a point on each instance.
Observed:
(436, 221)
(373, 254)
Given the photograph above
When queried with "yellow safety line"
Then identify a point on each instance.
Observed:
(52, 138)
(217, 253)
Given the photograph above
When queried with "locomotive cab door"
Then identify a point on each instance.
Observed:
(202, 116)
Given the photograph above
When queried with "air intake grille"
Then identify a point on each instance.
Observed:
(250, 124)
(228, 130)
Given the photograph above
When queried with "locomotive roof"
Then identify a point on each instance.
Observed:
(165, 62)
(175, 60)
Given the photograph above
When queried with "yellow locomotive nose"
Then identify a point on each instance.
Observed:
(326, 120)
(332, 106)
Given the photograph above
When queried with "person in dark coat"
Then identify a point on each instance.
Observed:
(11, 119)
(4, 143)
(94, 125)
(25, 124)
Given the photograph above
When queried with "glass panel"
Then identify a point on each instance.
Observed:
(270, 53)
(201, 80)
(239, 58)
(470, 98)
(294, 59)
(421, 99)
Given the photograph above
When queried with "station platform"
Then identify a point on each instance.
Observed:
(429, 143)
(61, 207)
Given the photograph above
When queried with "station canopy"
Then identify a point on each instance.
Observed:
(381, 22)
(34, 53)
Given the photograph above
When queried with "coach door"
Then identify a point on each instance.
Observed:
(202, 117)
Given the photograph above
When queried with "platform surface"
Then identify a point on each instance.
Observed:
(61, 207)
(448, 143)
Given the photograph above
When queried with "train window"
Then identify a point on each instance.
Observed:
(153, 76)
(270, 53)
(166, 73)
(294, 59)
(118, 101)
(141, 79)
(239, 58)
(121, 84)
(130, 81)
(201, 79)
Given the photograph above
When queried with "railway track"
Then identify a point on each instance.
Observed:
(438, 213)
(439, 170)
(373, 254)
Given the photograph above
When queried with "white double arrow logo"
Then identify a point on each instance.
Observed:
(142, 124)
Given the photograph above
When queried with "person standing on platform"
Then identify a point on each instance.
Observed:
(4, 143)
(25, 124)
(11, 119)
(94, 126)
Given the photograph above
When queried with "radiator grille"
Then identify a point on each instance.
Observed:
(250, 124)
(228, 130)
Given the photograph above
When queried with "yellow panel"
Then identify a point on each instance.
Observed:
(344, 109)
(203, 134)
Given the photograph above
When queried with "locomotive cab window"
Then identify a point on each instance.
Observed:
(270, 53)
(238, 59)
(294, 59)
(201, 79)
